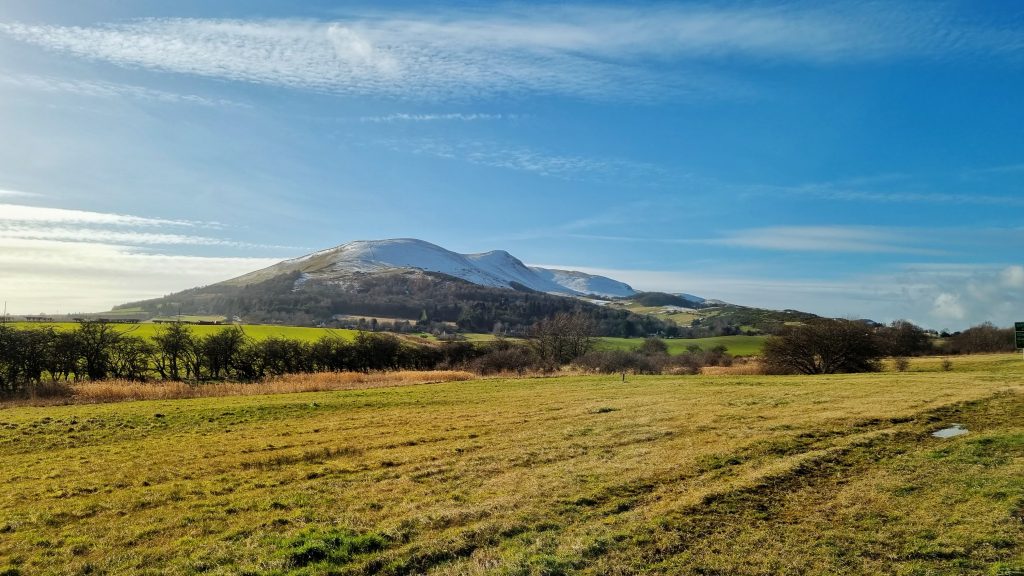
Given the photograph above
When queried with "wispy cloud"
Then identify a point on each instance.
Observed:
(16, 194)
(101, 89)
(870, 190)
(17, 213)
(449, 117)
(582, 51)
(869, 239)
(524, 159)
(863, 239)
(46, 231)
(37, 274)
(109, 258)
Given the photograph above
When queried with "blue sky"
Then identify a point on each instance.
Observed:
(852, 159)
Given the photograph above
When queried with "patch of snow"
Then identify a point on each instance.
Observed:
(583, 283)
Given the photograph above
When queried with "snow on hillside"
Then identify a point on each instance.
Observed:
(501, 264)
(583, 283)
(496, 268)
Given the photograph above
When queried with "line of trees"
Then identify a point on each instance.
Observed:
(830, 346)
(98, 350)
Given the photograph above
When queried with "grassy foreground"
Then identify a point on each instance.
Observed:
(662, 475)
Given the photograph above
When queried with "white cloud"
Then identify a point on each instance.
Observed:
(74, 260)
(15, 194)
(101, 89)
(948, 307)
(523, 159)
(578, 50)
(52, 276)
(854, 191)
(46, 231)
(36, 214)
(454, 116)
(824, 239)
(1013, 277)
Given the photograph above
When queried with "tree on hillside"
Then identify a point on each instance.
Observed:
(823, 346)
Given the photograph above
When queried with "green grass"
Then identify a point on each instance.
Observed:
(588, 475)
(256, 331)
(189, 318)
(736, 345)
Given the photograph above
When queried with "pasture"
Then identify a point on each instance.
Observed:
(255, 331)
(563, 475)
(735, 345)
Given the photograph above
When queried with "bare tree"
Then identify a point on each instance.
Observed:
(824, 347)
(562, 338)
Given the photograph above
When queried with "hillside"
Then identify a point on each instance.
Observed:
(710, 317)
(407, 296)
(403, 283)
(496, 269)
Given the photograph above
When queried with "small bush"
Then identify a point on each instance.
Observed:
(513, 358)
(947, 364)
(616, 361)
(901, 363)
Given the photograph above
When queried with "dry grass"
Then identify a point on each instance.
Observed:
(739, 368)
(661, 475)
(129, 390)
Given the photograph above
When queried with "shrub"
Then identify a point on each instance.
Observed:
(823, 347)
(616, 361)
(515, 358)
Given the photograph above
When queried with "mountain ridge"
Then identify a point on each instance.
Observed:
(496, 268)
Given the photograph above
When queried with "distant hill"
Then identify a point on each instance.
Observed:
(663, 299)
(408, 296)
(408, 284)
(497, 269)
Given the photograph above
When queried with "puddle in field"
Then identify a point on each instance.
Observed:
(954, 430)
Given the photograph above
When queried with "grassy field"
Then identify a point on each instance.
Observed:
(683, 318)
(588, 475)
(736, 345)
(256, 331)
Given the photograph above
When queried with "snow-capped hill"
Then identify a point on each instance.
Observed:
(583, 283)
(497, 268)
(504, 265)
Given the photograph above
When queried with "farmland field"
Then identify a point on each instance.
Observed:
(590, 475)
(736, 345)
(255, 331)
